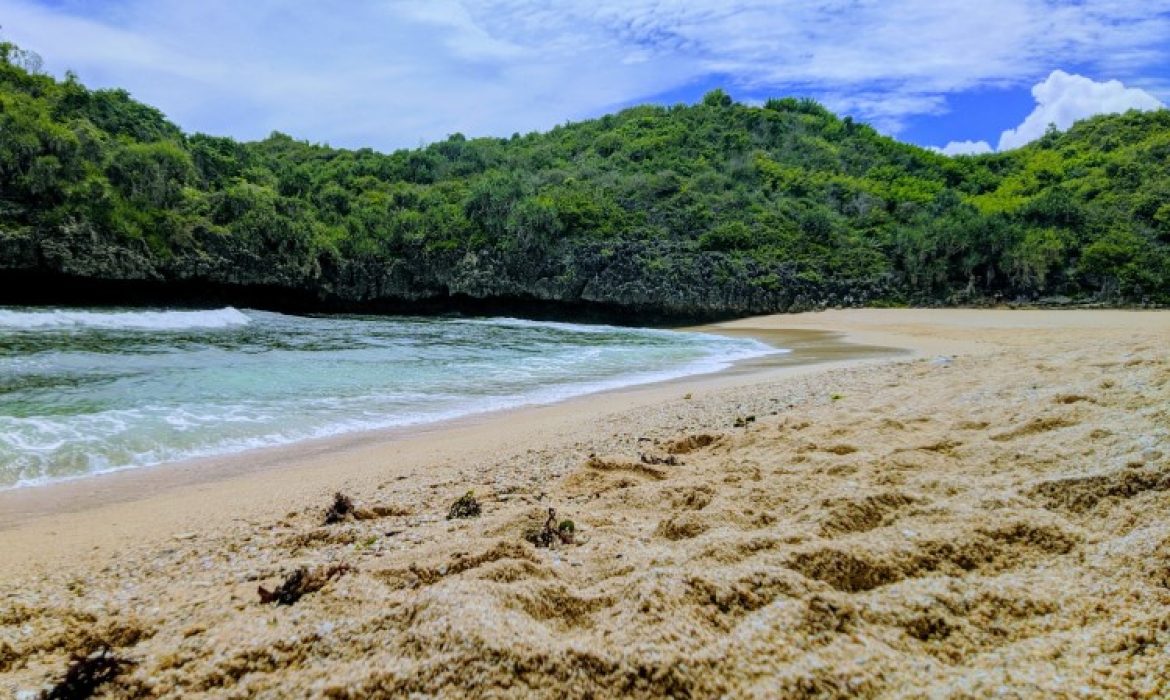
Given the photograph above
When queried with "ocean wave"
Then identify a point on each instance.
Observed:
(226, 317)
(163, 406)
(509, 322)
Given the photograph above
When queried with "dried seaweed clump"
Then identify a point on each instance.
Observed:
(341, 509)
(465, 507)
(552, 534)
(302, 582)
(86, 673)
(8, 656)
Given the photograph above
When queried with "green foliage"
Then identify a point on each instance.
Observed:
(1030, 262)
(151, 174)
(786, 190)
(717, 98)
(730, 236)
(534, 225)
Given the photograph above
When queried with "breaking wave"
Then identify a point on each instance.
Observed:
(123, 320)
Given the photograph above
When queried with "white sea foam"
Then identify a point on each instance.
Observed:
(122, 320)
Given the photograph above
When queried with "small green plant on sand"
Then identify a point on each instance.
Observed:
(552, 534)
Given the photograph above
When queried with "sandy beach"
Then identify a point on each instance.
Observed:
(946, 503)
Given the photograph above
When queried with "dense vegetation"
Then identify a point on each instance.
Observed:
(709, 209)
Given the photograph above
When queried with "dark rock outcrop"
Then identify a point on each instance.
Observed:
(631, 281)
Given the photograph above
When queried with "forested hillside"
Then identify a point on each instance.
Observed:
(705, 210)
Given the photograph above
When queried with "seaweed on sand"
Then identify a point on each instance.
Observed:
(342, 509)
(465, 507)
(302, 582)
(86, 673)
(551, 533)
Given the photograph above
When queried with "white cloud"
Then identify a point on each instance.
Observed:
(885, 111)
(965, 148)
(390, 73)
(1063, 99)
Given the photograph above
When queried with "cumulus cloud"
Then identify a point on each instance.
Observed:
(389, 74)
(1063, 99)
(965, 148)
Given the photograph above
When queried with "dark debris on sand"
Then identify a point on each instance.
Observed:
(465, 507)
(86, 673)
(302, 582)
(342, 509)
(552, 533)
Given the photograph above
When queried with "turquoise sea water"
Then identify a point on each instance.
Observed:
(84, 391)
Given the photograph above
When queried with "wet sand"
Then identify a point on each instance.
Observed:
(995, 520)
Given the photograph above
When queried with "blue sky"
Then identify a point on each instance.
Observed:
(397, 73)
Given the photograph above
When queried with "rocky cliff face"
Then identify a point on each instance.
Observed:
(626, 281)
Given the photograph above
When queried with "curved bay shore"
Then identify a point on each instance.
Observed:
(987, 510)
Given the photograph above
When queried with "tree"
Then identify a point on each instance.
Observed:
(717, 98)
(534, 224)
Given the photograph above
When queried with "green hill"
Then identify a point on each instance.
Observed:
(713, 209)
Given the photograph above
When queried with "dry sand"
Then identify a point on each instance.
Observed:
(992, 523)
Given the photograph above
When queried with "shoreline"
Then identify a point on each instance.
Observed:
(985, 511)
(807, 348)
(818, 340)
